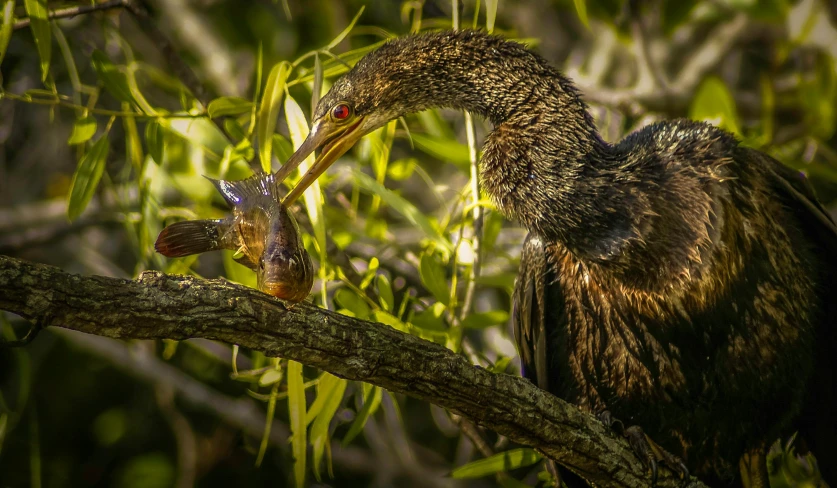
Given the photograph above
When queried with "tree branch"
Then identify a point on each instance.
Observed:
(158, 306)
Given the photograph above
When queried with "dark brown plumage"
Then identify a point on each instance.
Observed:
(676, 279)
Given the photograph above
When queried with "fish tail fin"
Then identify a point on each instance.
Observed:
(193, 237)
(234, 192)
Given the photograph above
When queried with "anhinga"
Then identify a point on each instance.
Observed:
(676, 280)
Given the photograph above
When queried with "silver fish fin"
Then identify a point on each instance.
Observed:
(193, 237)
(234, 192)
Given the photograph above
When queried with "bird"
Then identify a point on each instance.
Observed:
(675, 282)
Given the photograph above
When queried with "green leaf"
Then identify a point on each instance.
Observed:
(371, 401)
(228, 106)
(269, 111)
(237, 272)
(298, 129)
(296, 412)
(401, 169)
(483, 320)
(87, 176)
(337, 40)
(331, 388)
(443, 149)
(504, 461)
(501, 365)
(154, 141)
(270, 377)
(385, 295)
(83, 129)
(6, 26)
(115, 81)
(201, 132)
(490, 14)
(433, 277)
(403, 207)
(581, 10)
(39, 23)
(431, 318)
(350, 301)
(713, 103)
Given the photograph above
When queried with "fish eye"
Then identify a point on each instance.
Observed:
(341, 111)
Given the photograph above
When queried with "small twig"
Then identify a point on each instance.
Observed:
(478, 218)
(69, 12)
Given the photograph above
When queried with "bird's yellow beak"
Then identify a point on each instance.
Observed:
(333, 138)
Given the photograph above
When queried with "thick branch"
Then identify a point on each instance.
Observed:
(157, 306)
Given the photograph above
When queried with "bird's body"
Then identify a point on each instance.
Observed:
(675, 279)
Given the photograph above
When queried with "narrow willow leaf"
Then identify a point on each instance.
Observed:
(444, 149)
(490, 14)
(83, 129)
(504, 461)
(403, 207)
(296, 412)
(270, 377)
(87, 176)
(6, 26)
(317, 87)
(433, 277)
(485, 319)
(581, 10)
(269, 111)
(271, 411)
(319, 431)
(228, 106)
(39, 23)
(337, 40)
(298, 128)
(349, 300)
(200, 132)
(713, 103)
(115, 81)
(385, 295)
(154, 141)
(371, 402)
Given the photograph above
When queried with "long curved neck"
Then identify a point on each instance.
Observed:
(544, 164)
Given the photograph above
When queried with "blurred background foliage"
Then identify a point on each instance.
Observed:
(105, 138)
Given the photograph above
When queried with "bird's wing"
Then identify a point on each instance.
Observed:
(817, 423)
(536, 305)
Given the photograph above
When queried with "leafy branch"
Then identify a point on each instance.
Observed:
(158, 306)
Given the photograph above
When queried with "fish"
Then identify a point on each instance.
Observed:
(261, 230)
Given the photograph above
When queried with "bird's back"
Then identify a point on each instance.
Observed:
(718, 301)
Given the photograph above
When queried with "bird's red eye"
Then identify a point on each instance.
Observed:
(341, 111)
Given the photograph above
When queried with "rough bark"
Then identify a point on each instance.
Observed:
(157, 306)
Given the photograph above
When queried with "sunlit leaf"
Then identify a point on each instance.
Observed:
(581, 10)
(270, 377)
(431, 318)
(83, 129)
(504, 461)
(385, 293)
(39, 23)
(401, 169)
(228, 106)
(713, 103)
(115, 81)
(337, 40)
(6, 26)
(371, 402)
(298, 128)
(350, 301)
(443, 149)
(482, 320)
(296, 412)
(490, 14)
(403, 207)
(433, 277)
(202, 133)
(269, 111)
(331, 389)
(87, 176)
